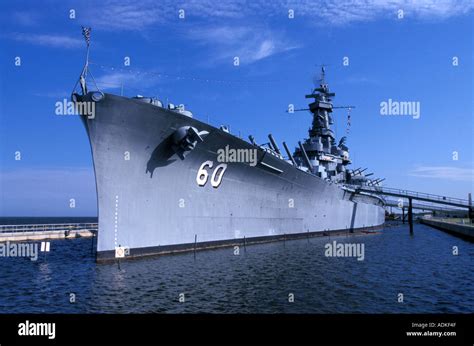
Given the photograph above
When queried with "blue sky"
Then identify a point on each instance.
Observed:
(191, 61)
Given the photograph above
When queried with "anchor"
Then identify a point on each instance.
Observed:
(185, 139)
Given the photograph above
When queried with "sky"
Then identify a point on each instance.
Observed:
(375, 51)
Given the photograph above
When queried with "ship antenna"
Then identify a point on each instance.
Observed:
(320, 83)
(86, 32)
(323, 75)
(348, 120)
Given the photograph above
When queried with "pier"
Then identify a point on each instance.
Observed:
(423, 207)
(46, 231)
(460, 227)
(419, 196)
(431, 202)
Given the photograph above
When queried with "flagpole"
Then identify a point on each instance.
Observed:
(86, 32)
(86, 66)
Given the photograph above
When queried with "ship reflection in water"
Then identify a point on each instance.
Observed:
(261, 279)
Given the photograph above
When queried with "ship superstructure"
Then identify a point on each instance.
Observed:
(319, 153)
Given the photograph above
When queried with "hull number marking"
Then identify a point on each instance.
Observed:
(216, 176)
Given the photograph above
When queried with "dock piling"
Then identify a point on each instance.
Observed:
(92, 244)
(410, 215)
(195, 242)
(471, 209)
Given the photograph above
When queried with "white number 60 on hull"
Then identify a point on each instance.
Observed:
(216, 177)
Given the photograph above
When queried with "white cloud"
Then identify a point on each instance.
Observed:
(338, 12)
(247, 43)
(444, 172)
(132, 15)
(133, 79)
(245, 37)
(123, 15)
(221, 9)
(267, 48)
(47, 40)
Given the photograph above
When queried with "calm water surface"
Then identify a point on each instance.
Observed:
(259, 280)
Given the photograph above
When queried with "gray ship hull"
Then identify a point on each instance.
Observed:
(149, 199)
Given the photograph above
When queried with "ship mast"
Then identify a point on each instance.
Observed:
(319, 153)
(322, 109)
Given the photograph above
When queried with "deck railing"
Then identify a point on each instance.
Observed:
(48, 227)
(415, 195)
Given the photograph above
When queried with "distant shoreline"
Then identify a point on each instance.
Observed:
(23, 220)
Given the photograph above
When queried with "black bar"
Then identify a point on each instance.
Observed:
(271, 329)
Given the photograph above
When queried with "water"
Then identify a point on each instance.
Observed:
(259, 280)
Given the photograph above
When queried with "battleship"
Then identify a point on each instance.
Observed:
(164, 186)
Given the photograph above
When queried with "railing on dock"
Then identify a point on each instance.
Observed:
(421, 196)
(453, 220)
(48, 227)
